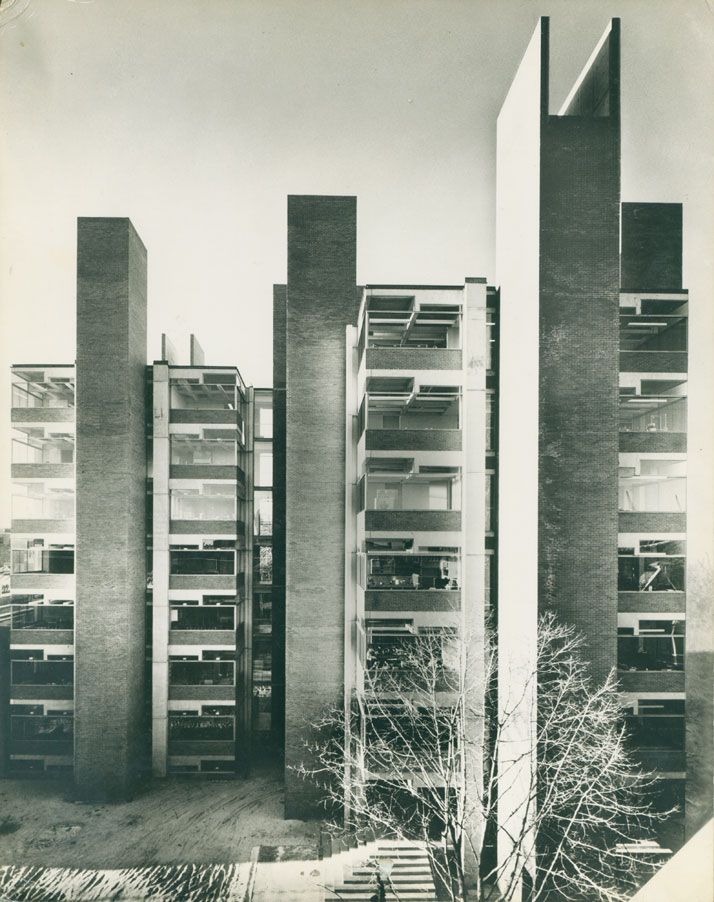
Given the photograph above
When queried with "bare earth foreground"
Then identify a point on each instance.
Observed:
(172, 822)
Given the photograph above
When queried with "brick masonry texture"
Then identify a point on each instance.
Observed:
(653, 361)
(651, 247)
(111, 497)
(413, 440)
(321, 300)
(40, 581)
(42, 471)
(203, 748)
(205, 581)
(202, 637)
(209, 693)
(38, 638)
(647, 442)
(413, 359)
(422, 521)
(39, 527)
(33, 692)
(208, 527)
(203, 416)
(652, 602)
(278, 588)
(638, 521)
(404, 600)
(42, 415)
(578, 456)
(655, 681)
(204, 471)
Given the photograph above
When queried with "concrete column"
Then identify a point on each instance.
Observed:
(473, 520)
(111, 508)
(244, 654)
(160, 570)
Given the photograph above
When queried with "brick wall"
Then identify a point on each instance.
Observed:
(642, 521)
(578, 441)
(321, 301)
(111, 497)
(413, 359)
(413, 440)
(278, 588)
(421, 521)
(653, 361)
(651, 602)
(648, 442)
(651, 247)
(405, 600)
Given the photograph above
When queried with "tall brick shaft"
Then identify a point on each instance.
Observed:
(278, 591)
(578, 358)
(111, 499)
(321, 301)
(558, 197)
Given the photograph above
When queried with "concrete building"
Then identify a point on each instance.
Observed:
(140, 622)
(593, 415)
(387, 387)
(428, 455)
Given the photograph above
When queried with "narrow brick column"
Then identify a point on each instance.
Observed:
(321, 301)
(110, 558)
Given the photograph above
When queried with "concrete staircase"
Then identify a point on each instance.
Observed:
(350, 867)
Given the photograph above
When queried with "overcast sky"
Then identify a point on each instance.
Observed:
(195, 118)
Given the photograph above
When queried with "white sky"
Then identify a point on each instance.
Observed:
(196, 119)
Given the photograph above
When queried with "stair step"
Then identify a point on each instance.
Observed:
(402, 872)
(355, 892)
(368, 893)
(415, 884)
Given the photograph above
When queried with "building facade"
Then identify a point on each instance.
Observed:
(593, 414)
(142, 535)
(200, 567)
(391, 389)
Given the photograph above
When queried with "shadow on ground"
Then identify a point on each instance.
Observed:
(171, 822)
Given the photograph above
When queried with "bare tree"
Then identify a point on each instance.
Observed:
(396, 762)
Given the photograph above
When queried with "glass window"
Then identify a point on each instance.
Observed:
(210, 501)
(198, 673)
(263, 465)
(42, 729)
(652, 484)
(203, 617)
(31, 556)
(42, 673)
(207, 562)
(54, 392)
(263, 417)
(42, 617)
(263, 564)
(192, 451)
(413, 493)
(42, 501)
(263, 513)
(194, 395)
(413, 571)
(32, 446)
(652, 645)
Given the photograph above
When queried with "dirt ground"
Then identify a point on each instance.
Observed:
(172, 822)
